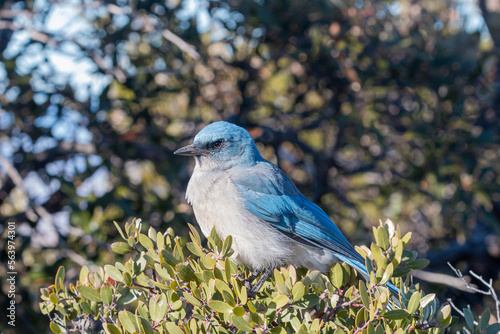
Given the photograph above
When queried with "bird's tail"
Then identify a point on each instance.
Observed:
(360, 268)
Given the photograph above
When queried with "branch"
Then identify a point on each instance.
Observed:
(430, 277)
(490, 292)
(35, 211)
(181, 44)
(16, 178)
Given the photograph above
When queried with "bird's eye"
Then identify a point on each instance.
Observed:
(217, 144)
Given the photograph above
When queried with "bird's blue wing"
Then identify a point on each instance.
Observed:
(269, 194)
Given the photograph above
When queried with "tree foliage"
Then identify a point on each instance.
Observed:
(373, 108)
(165, 285)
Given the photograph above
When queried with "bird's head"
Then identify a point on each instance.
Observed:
(220, 146)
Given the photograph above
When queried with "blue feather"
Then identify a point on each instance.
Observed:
(269, 194)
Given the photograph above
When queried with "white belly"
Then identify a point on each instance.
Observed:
(256, 244)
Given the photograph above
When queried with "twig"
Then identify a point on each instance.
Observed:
(181, 44)
(460, 312)
(35, 211)
(16, 178)
(455, 307)
(490, 292)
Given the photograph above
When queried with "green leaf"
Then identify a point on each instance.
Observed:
(89, 293)
(251, 306)
(387, 274)
(493, 329)
(146, 327)
(145, 241)
(128, 321)
(162, 272)
(469, 318)
(160, 241)
(53, 298)
(376, 252)
(152, 233)
(226, 247)
(158, 308)
(185, 273)
(364, 294)
(311, 277)
(369, 265)
(228, 269)
(239, 311)
(278, 277)
(107, 295)
(361, 317)
(85, 307)
(336, 275)
(241, 323)
(121, 248)
(209, 261)
(84, 273)
(56, 328)
(443, 314)
(220, 306)
(176, 305)
(485, 319)
(127, 278)
(298, 291)
(192, 300)
(396, 314)
(45, 308)
(113, 273)
(143, 310)
(195, 236)
(417, 264)
(427, 299)
(414, 302)
(280, 301)
(406, 238)
(119, 230)
(228, 298)
(307, 301)
(45, 293)
(400, 271)
(129, 229)
(222, 286)
(111, 329)
(243, 295)
(383, 238)
(60, 278)
(195, 249)
(131, 241)
(172, 328)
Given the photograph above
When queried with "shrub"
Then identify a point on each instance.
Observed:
(165, 285)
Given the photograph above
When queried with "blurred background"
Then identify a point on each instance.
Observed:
(375, 109)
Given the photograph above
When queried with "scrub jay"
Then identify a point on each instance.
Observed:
(243, 195)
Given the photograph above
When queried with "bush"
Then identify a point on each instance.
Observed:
(165, 285)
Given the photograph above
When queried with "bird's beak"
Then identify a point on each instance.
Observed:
(191, 150)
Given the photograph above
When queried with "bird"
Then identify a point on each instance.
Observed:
(234, 189)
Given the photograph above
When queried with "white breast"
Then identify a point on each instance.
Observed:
(216, 203)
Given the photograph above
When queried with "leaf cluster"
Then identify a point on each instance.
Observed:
(168, 285)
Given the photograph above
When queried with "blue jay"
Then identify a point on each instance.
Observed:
(243, 195)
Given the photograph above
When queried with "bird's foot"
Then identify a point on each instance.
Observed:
(248, 283)
(253, 290)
